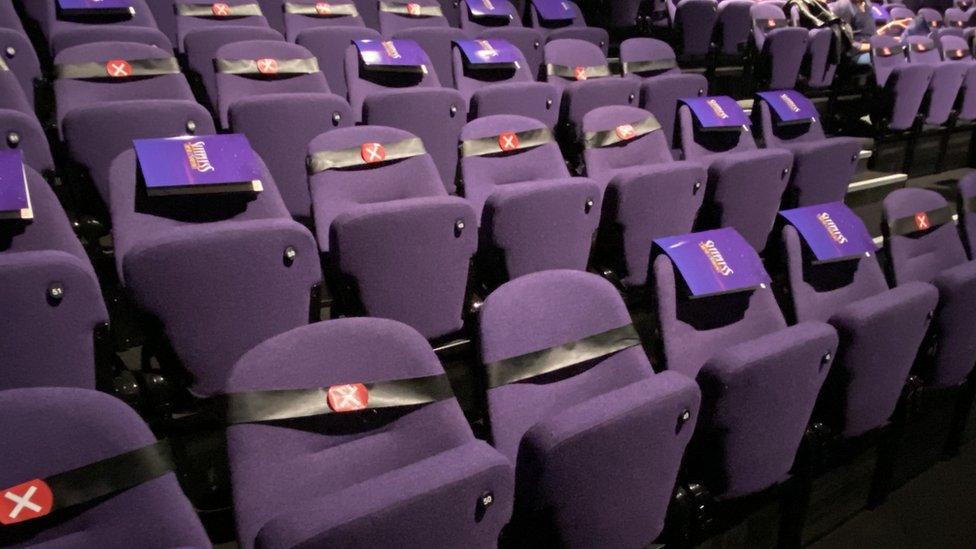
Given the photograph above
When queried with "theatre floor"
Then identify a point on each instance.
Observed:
(936, 509)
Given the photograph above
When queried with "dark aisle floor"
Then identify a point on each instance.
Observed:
(937, 509)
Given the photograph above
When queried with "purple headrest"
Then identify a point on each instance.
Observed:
(490, 126)
(572, 53)
(257, 49)
(346, 138)
(105, 51)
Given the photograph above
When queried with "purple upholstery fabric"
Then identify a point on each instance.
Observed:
(820, 68)
(234, 87)
(183, 260)
(30, 139)
(880, 332)
(967, 219)
(694, 21)
(95, 137)
(392, 232)
(437, 43)
(937, 256)
(329, 45)
(201, 50)
(165, 17)
(475, 25)
(71, 93)
(646, 196)
(413, 475)
(53, 430)
(746, 363)
(141, 35)
(822, 167)
(361, 82)
(392, 23)
(49, 343)
(529, 40)
(605, 428)
(533, 215)
(575, 29)
(732, 25)
(966, 102)
(9, 19)
(23, 63)
(947, 79)
(902, 86)
(273, 11)
(580, 97)
(781, 50)
(99, 30)
(295, 24)
(660, 91)
(955, 17)
(185, 25)
(505, 91)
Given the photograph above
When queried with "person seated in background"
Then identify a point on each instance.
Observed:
(857, 13)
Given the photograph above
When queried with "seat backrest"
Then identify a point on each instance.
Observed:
(887, 53)
(470, 78)
(697, 142)
(695, 21)
(397, 15)
(23, 131)
(776, 132)
(328, 45)
(194, 15)
(766, 17)
(955, 48)
(922, 49)
(732, 25)
(554, 15)
(300, 15)
(335, 191)
(955, 18)
(437, 43)
(649, 148)
(92, 427)
(477, 15)
(481, 174)
(966, 206)
(933, 247)
(693, 330)
(77, 36)
(654, 55)
(573, 55)
(201, 50)
(362, 81)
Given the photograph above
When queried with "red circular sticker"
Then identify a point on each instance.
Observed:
(580, 73)
(413, 9)
(372, 152)
(118, 68)
(922, 221)
(323, 8)
(26, 501)
(267, 66)
(347, 398)
(625, 132)
(220, 10)
(508, 141)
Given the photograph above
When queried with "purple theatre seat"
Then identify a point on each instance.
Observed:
(955, 18)
(745, 184)
(92, 427)
(694, 23)
(956, 50)
(779, 48)
(438, 44)
(966, 207)
(568, 24)
(493, 90)
(106, 72)
(732, 25)
(662, 82)
(201, 50)
(400, 247)
(12, 95)
(23, 131)
(95, 137)
(309, 14)
(398, 15)
(280, 100)
(747, 362)
(84, 29)
(900, 86)
(165, 17)
(923, 245)
(579, 70)
(602, 424)
(880, 331)
(822, 167)
(274, 13)
(411, 101)
(329, 45)
(947, 79)
(477, 16)
(51, 296)
(9, 18)
(193, 15)
(220, 272)
(646, 194)
(534, 216)
(20, 58)
(819, 59)
(526, 39)
(411, 475)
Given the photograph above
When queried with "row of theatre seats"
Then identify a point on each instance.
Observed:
(346, 432)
